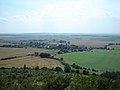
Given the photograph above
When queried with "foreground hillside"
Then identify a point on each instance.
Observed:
(106, 60)
(40, 79)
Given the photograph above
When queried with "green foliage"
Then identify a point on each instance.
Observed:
(61, 58)
(111, 75)
(76, 66)
(37, 68)
(57, 83)
(24, 66)
(103, 84)
(58, 69)
(83, 83)
(45, 55)
(85, 72)
(67, 68)
(30, 79)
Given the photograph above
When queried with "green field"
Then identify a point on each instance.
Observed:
(99, 59)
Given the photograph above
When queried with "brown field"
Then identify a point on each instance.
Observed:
(91, 43)
(11, 52)
(116, 47)
(30, 61)
(5, 44)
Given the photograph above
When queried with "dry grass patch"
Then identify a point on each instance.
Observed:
(31, 61)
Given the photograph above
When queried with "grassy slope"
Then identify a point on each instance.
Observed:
(99, 59)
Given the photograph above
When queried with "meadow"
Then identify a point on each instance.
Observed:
(104, 60)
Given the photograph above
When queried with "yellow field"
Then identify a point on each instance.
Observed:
(11, 52)
(30, 61)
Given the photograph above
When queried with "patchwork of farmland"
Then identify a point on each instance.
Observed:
(99, 59)
(29, 61)
(91, 43)
(11, 52)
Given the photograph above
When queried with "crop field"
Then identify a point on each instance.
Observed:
(116, 47)
(11, 52)
(104, 60)
(30, 61)
(91, 43)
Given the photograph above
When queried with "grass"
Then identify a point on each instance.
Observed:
(99, 59)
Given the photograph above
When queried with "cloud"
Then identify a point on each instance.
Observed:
(60, 16)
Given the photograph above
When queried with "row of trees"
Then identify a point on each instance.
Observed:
(42, 55)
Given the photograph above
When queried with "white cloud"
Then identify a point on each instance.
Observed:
(64, 16)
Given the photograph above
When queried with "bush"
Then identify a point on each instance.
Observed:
(94, 70)
(37, 68)
(103, 84)
(44, 68)
(75, 66)
(94, 74)
(67, 68)
(61, 58)
(45, 55)
(24, 67)
(111, 75)
(85, 72)
(77, 71)
(58, 69)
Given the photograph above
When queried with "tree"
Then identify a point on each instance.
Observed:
(58, 69)
(75, 66)
(36, 53)
(67, 68)
(61, 58)
(37, 68)
(24, 66)
(103, 84)
(45, 55)
(85, 72)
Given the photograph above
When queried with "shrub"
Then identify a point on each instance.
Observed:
(45, 55)
(85, 72)
(67, 68)
(103, 84)
(37, 68)
(58, 69)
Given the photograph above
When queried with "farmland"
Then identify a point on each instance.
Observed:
(9, 52)
(90, 43)
(30, 61)
(99, 59)
(59, 62)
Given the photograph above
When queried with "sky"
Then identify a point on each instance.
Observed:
(60, 16)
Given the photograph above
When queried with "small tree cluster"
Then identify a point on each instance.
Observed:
(67, 68)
